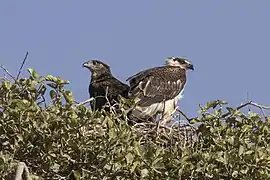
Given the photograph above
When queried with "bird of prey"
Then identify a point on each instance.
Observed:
(158, 89)
(104, 83)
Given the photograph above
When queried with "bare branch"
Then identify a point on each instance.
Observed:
(248, 100)
(8, 72)
(87, 101)
(25, 57)
(239, 107)
(183, 114)
(260, 106)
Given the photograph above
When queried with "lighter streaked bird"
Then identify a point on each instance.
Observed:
(158, 89)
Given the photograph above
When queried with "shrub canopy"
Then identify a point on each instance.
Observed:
(42, 126)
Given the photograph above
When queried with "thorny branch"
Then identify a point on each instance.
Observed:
(25, 57)
(237, 108)
(8, 72)
(261, 107)
(15, 79)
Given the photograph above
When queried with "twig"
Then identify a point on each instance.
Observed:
(22, 172)
(87, 101)
(185, 116)
(25, 57)
(41, 92)
(174, 124)
(108, 101)
(5, 76)
(7, 72)
(261, 107)
(248, 101)
(239, 107)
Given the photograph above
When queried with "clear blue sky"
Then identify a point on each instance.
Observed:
(227, 41)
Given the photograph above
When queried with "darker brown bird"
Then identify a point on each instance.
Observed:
(102, 80)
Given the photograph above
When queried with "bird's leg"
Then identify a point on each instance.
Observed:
(157, 127)
(169, 109)
(176, 107)
(164, 114)
(166, 118)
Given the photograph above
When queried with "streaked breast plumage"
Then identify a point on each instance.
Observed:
(159, 89)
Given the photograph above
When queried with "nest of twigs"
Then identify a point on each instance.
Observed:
(165, 135)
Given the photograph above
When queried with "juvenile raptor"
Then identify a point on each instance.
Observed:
(158, 89)
(102, 82)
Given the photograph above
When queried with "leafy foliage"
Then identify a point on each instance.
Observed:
(56, 138)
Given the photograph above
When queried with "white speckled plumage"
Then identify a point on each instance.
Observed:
(159, 89)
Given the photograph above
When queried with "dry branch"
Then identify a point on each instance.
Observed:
(260, 106)
(183, 114)
(87, 101)
(8, 72)
(238, 108)
(25, 57)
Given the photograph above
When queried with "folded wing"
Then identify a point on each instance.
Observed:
(157, 84)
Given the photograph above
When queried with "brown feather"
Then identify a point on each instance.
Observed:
(157, 84)
(101, 80)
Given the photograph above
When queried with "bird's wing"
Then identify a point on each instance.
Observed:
(116, 88)
(157, 84)
(113, 86)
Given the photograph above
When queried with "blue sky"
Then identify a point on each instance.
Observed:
(227, 41)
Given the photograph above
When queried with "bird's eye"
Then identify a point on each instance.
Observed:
(94, 62)
(182, 62)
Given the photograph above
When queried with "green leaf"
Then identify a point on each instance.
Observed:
(222, 102)
(220, 157)
(231, 110)
(55, 167)
(129, 158)
(20, 137)
(68, 97)
(75, 175)
(241, 150)
(144, 173)
(244, 169)
(134, 165)
(53, 94)
(33, 73)
(249, 152)
(51, 78)
(6, 84)
(52, 154)
(42, 90)
(52, 85)
(61, 81)
(213, 104)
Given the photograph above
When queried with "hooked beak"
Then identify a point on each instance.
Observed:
(86, 64)
(191, 67)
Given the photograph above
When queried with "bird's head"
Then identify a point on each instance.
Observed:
(96, 66)
(179, 61)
